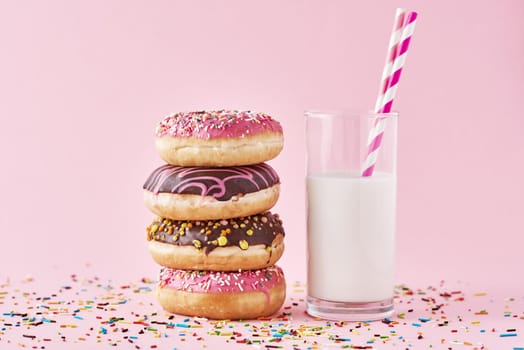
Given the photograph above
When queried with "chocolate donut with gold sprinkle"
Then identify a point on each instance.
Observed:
(245, 243)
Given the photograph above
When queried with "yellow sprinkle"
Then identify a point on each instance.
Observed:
(268, 248)
(243, 244)
(197, 243)
(249, 232)
(153, 228)
(222, 241)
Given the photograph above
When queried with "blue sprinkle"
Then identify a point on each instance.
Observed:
(183, 325)
(416, 324)
(277, 335)
(103, 330)
(482, 330)
(344, 339)
(133, 337)
(8, 314)
(78, 317)
(518, 348)
(508, 334)
(370, 341)
(186, 319)
(424, 319)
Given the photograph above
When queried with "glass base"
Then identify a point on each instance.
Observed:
(349, 311)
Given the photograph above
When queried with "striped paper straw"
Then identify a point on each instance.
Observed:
(395, 60)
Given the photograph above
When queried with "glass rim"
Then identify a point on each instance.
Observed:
(323, 114)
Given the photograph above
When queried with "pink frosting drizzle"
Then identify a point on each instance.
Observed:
(217, 124)
(221, 282)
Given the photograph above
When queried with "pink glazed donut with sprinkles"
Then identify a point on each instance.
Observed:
(218, 138)
(222, 295)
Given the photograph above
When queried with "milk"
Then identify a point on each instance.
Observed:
(351, 236)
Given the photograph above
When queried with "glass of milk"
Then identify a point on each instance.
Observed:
(351, 219)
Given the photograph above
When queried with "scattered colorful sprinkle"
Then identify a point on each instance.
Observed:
(91, 311)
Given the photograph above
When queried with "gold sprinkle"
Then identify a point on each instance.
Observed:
(175, 238)
(170, 230)
(268, 248)
(197, 243)
(243, 244)
(154, 228)
(249, 232)
(242, 225)
(222, 241)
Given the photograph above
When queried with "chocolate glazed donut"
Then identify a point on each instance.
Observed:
(198, 193)
(245, 243)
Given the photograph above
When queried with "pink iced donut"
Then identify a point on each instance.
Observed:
(222, 295)
(218, 138)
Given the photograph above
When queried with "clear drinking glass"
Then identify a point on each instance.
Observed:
(351, 219)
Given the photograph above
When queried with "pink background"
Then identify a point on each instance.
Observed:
(83, 85)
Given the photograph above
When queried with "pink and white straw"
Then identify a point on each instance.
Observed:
(400, 39)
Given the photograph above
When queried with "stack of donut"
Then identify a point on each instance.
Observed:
(215, 238)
